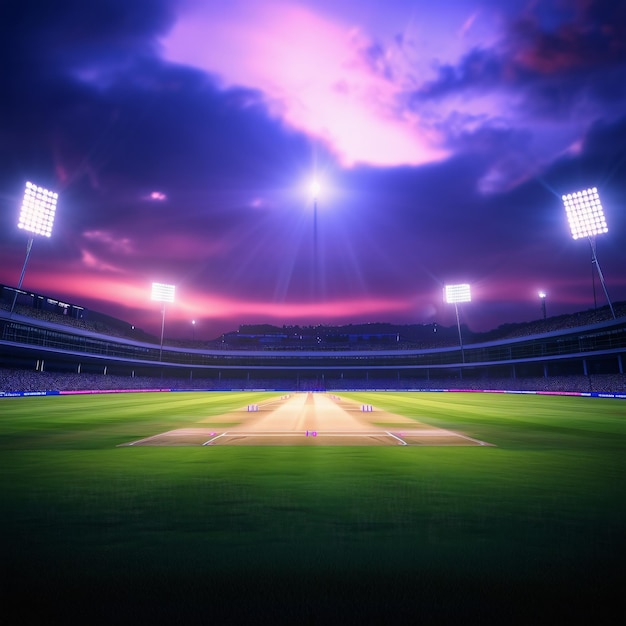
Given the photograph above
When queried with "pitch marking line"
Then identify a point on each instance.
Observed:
(282, 433)
(210, 441)
(402, 442)
(453, 433)
(148, 438)
(478, 441)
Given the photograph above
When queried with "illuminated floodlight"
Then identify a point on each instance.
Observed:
(38, 209)
(457, 293)
(162, 293)
(584, 213)
(315, 188)
(586, 219)
(36, 218)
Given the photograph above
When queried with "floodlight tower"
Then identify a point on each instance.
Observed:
(162, 293)
(455, 294)
(36, 217)
(586, 219)
(542, 296)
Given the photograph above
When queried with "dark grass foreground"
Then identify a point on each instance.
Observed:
(530, 531)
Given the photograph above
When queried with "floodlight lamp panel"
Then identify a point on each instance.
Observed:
(38, 210)
(162, 292)
(315, 188)
(584, 213)
(457, 293)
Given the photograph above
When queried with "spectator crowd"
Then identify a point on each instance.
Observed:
(14, 380)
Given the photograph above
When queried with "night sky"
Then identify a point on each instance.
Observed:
(183, 136)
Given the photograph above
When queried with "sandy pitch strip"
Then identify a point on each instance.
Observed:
(310, 419)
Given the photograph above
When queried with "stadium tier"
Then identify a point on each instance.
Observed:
(584, 352)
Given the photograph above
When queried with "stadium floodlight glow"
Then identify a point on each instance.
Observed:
(584, 213)
(456, 294)
(38, 208)
(37, 218)
(586, 219)
(162, 293)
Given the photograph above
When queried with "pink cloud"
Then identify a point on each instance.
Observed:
(118, 245)
(314, 75)
(92, 262)
(99, 247)
(215, 306)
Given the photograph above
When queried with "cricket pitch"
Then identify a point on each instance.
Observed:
(304, 419)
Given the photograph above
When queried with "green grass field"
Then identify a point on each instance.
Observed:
(531, 530)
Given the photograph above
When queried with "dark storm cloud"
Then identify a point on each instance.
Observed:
(172, 125)
(46, 38)
(582, 58)
(593, 37)
(554, 65)
(600, 163)
(45, 47)
(479, 69)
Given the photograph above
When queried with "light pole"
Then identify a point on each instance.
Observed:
(193, 329)
(542, 296)
(586, 219)
(455, 294)
(162, 293)
(315, 190)
(36, 217)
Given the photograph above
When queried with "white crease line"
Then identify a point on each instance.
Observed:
(478, 441)
(404, 443)
(148, 438)
(233, 433)
(444, 433)
(265, 434)
(210, 441)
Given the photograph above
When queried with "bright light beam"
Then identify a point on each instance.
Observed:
(315, 189)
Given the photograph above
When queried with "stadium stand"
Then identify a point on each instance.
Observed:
(49, 349)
